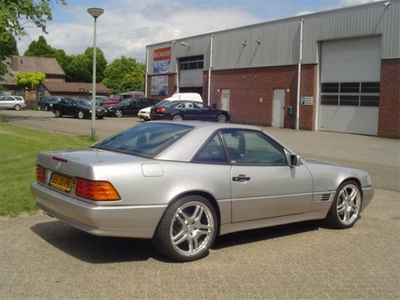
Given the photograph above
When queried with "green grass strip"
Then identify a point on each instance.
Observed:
(18, 150)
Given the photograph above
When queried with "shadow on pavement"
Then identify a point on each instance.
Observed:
(93, 249)
(99, 250)
(262, 234)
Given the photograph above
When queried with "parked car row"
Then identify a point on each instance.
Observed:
(178, 107)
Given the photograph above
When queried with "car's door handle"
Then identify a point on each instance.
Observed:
(241, 178)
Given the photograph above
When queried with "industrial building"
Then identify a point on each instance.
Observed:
(336, 70)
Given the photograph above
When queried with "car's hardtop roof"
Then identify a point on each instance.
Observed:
(213, 125)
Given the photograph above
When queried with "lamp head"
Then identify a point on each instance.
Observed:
(95, 12)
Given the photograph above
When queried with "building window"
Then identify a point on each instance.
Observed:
(192, 63)
(350, 93)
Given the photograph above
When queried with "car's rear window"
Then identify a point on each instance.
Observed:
(146, 139)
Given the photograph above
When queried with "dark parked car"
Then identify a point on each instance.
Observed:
(76, 107)
(46, 103)
(129, 106)
(188, 110)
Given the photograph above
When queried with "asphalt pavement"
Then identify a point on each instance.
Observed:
(42, 258)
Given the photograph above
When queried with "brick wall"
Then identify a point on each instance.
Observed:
(389, 102)
(249, 86)
(252, 90)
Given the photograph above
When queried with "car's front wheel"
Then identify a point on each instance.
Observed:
(187, 230)
(81, 114)
(57, 113)
(17, 107)
(118, 113)
(346, 206)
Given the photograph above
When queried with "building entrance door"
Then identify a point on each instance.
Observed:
(225, 99)
(278, 109)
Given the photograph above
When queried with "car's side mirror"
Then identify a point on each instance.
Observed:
(294, 160)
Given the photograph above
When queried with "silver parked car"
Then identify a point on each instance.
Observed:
(182, 184)
(12, 102)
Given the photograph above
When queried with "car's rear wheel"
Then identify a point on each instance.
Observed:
(177, 118)
(187, 230)
(58, 113)
(118, 113)
(81, 114)
(346, 206)
(221, 118)
(17, 107)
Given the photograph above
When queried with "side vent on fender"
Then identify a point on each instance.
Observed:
(326, 197)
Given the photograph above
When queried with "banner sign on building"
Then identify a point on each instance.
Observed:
(162, 60)
(159, 85)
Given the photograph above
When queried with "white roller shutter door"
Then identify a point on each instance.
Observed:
(350, 76)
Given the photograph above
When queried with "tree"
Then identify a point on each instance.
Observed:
(14, 17)
(8, 48)
(29, 80)
(40, 48)
(80, 68)
(124, 74)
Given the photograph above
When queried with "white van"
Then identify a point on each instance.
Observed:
(145, 112)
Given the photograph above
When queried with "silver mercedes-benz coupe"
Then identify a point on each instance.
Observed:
(182, 184)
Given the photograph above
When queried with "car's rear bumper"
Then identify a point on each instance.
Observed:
(157, 117)
(108, 220)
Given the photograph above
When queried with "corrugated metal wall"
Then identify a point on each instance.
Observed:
(277, 43)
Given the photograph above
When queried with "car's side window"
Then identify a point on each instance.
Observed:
(212, 152)
(200, 105)
(253, 147)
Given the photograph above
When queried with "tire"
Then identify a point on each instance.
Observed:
(187, 230)
(57, 113)
(118, 113)
(17, 107)
(346, 206)
(221, 118)
(80, 114)
(100, 118)
(177, 118)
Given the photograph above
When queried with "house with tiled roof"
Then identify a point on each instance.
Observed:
(49, 66)
(54, 84)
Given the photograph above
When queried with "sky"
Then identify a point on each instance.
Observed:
(128, 26)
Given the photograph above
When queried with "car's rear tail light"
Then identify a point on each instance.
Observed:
(160, 110)
(96, 190)
(40, 173)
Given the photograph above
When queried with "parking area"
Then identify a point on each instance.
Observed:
(42, 258)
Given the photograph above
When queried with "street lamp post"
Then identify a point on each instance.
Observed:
(95, 13)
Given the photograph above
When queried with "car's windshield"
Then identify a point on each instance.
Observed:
(161, 103)
(172, 104)
(146, 139)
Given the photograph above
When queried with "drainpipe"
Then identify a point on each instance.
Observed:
(299, 74)
(147, 71)
(209, 70)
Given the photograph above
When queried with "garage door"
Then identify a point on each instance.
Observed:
(350, 80)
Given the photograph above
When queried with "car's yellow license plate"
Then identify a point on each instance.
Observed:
(61, 182)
